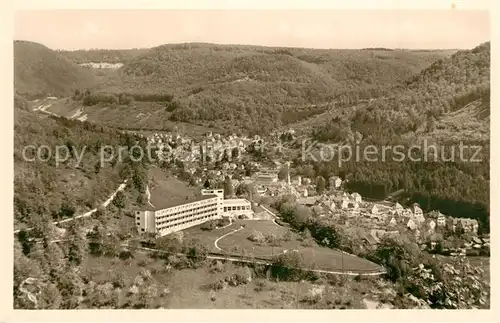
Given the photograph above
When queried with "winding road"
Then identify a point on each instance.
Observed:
(273, 215)
(225, 235)
(121, 187)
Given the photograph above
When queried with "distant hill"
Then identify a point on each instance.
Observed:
(436, 93)
(40, 72)
(237, 88)
(102, 55)
(258, 88)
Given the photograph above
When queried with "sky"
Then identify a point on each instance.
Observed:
(120, 29)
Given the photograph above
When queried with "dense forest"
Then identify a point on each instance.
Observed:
(447, 85)
(102, 55)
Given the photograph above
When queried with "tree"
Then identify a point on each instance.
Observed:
(283, 172)
(431, 124)
(78, 245)
(50, 297)
(95, 242)
(133, 245)
(24, 267)
(97, 167)
(100, 214)
(141, 200)
(228, 187)
(287, 266)
(225, 156)
(146, 296)
(56, 260)
(235, 153)
(396, 256)
(197, 253)
(320, 185)
(27, 242)
(110, 245)
(120, 200)
(71, 287)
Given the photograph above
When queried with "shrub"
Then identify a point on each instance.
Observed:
(172, 106)
(125, 99)
(179, 261)
(257, 236)
(100, 98)
(287, 266)
(273, 240)
(118, 279)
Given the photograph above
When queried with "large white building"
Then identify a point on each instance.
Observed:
(235, 208)
(163, 215)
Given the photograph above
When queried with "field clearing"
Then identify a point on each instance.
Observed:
(191, 288)
(146, 116)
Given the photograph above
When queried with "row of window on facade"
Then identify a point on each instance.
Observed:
(176, 215)
(205, 207)
(236, 208)
(177, 224)
(185, 217)
(188, 221)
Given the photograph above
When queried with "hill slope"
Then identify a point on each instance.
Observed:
(102, 55)
(448, 85)
(257, 88)
(45, 189)
(40, 71)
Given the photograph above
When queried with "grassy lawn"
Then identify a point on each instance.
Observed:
(239, 243)
(314, 255)
(207, 238)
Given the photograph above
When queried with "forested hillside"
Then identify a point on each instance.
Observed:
(102, 55)
(446, 86)
(446, 104)
(259, 88)
(40, 72)
(45, 190)
(238, 88)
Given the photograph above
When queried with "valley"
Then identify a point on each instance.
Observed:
(321, 235)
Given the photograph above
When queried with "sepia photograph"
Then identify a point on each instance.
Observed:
(251, 159)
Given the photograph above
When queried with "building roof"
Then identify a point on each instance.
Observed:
(308, 200)
(235, 201)
(370, 239)
(318, 209)
(161, 201)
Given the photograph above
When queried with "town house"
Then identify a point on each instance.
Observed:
(335, 182)
(441, 220)
(411, 224)
(356, 197)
